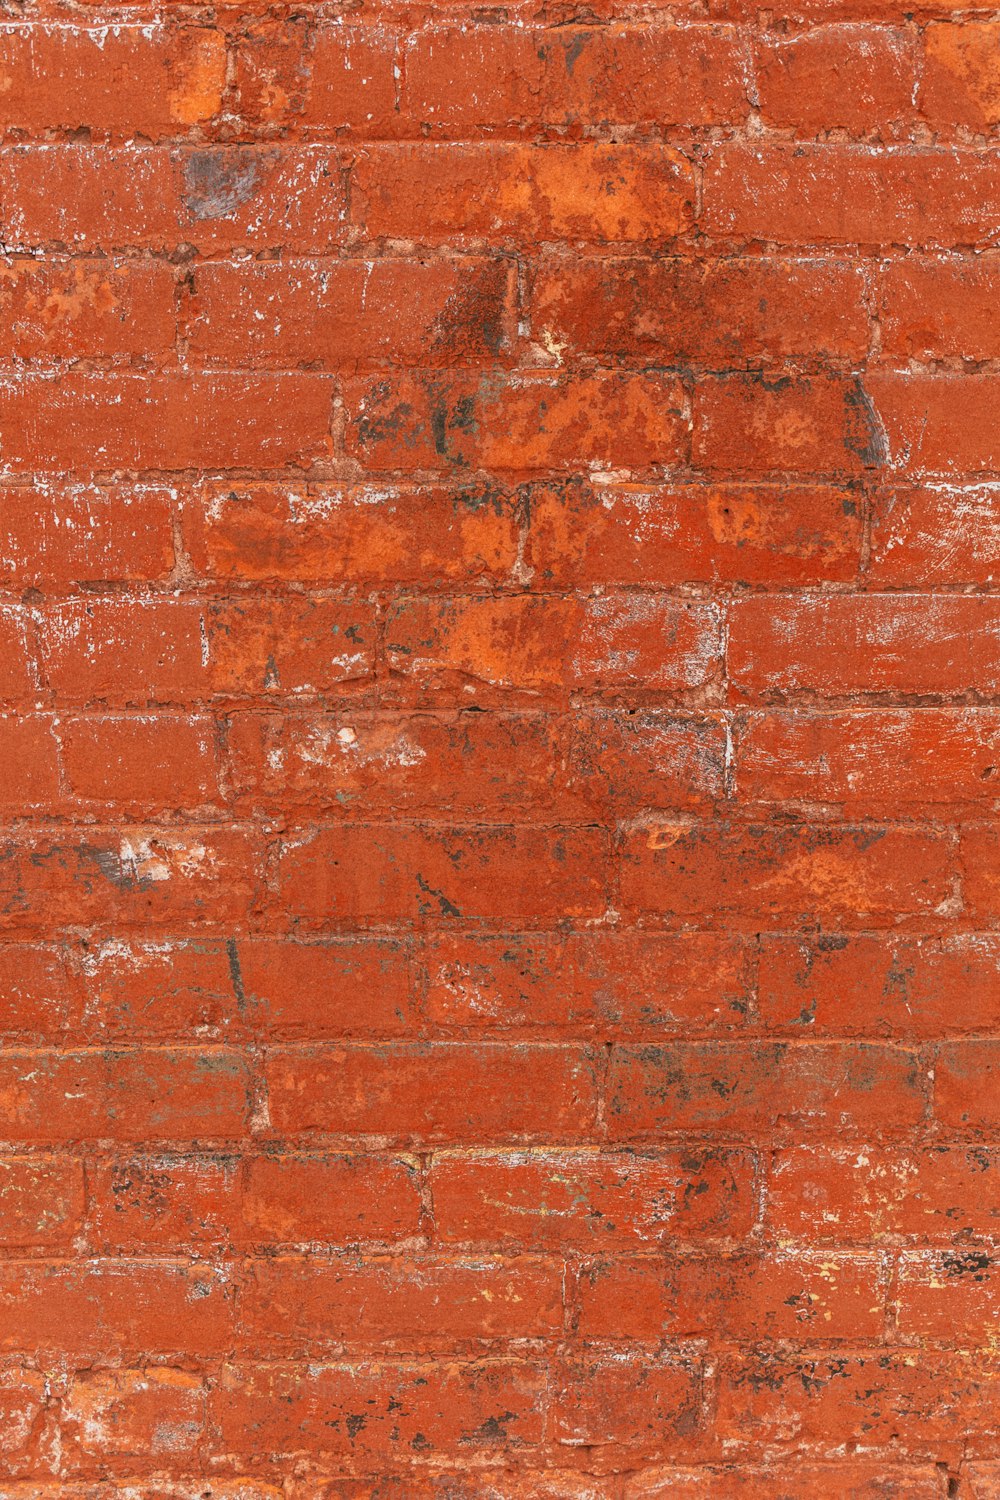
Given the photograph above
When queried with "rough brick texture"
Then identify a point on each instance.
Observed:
(500, 750)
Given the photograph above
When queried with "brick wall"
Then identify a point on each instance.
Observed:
(500, 970)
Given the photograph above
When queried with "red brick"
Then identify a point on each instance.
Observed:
(621, 1405)
(338, 79)
(134, 875)
(859, 78)
(138, 763)
(336, 315)
(150, 1094)
(843, 1479)
(40, 998)
(41, 1200)
(156, 1414)
(505, 764)
(296, 1303)
(844, 876)
(29, 773)
(99, 423)
(760, 424)
(504, 193)
(351, 79)
(522, 421)
(980, 847)
(583, 1200)
(51, 536)
(981, 1481)
(714, 313)
(938, 423)
(960, 83)
(89, 198)
(90, 1309)
(608, 981)
(965, 1091)
(875, 762)
(155, 1489)
(483, 79)
(727, 533)
(333, 1198)
(164, 1202)
(933, 309)
(522, 1483)
(309, 644)
(937, 534)
(17, 675)
(621, 760)
(732, 1297)
(120, 81)
(880, 986)
(146, 650)
(850, 645)
(499, 872)
(314, 534)
(67, 310)
(946, 1295)
(816, 1401)
(873, 1193)
(434, 1092)
(171, 988)
(429, 874)
(356, 1410)
(534, 643)
(839, 194)
(765, 1088)
(329, 987)
(22, 1402)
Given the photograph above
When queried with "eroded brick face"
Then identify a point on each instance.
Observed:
(500, 750)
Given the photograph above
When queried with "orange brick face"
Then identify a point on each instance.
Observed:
(500, 750)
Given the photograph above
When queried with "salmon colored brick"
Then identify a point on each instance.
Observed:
(500, 750)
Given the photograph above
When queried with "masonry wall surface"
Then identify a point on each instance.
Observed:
(500, 751)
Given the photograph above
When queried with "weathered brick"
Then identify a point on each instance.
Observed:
(875, 762)
(833, 194)
(761, 424)
(873, 1193)
(355, 1410)
(428, 874)
(608, 981)
(733, 1297)
(533, 644)
(295, 1302)
(511, 80)
(86, 198)
(165, 79)
(439, 1091)
(765, 1088)
(335, 315)
(859, 78)
(759, 533)
(510, 193)
(959, 85)
(95, 424)
(881, 986)
(518, 421)
(848, 645)
(87, 309)
(814, 1401)
(842, 876)
(591, 1200)
(374, 535)
(704, 312)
